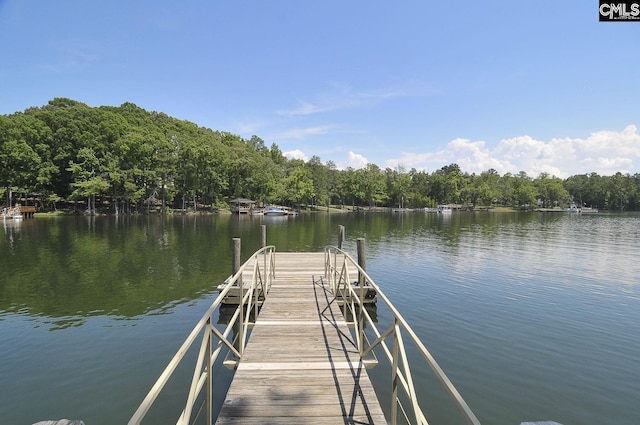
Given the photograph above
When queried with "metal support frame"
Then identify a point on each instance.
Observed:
(262, 274)
(338, 263)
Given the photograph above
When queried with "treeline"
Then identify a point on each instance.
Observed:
(127, 160)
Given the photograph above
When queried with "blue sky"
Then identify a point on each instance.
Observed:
(535, 86)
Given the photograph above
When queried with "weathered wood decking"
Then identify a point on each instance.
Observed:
(301, 364)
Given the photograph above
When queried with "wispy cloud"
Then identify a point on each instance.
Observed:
(301, 133)
(69, 59)
(249, 127)
(344, 97)
(305, 108)
(603, 152)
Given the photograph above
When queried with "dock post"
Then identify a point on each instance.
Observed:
(235, 262)
(362, 262)
(235, 265)
(340, 236)
(263, 240)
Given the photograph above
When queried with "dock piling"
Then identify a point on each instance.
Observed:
(340, 236)
(362, 260)
(235, 262)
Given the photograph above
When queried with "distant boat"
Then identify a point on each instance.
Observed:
(444, 209)
(12, 213)
(575, 209)
(588, 210)
(275, 211)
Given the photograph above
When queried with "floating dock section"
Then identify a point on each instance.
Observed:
(300, 364)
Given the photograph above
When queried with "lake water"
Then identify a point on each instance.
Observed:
(533, 316)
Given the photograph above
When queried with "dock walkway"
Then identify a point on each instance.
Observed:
(301, 364)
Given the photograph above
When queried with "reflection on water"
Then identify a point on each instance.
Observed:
(71, 268)
(372, 310)
(534, 312)
(533, 316)
(226, 312)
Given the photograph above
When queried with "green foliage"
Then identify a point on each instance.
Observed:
(299, 186)
(134, 160)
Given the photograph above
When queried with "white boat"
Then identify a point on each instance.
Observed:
(587, 209)
(11, 213)
(444, 209)
(275, 211)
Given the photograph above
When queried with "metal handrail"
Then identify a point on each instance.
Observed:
(338, 263)
(261, 278)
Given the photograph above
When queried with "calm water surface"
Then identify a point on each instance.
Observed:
(532, 316)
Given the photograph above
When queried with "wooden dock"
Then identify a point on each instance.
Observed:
(298, 360)
(301, 364)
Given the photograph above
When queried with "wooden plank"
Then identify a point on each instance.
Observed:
(283, 420)
(300, 364)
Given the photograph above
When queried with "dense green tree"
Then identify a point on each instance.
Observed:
(618, 191)
(18, 160)
(372, 184)
(551, 190)
(276, 155)
(335, 184)
(398, 182)
(259, 145)
(420, 189)
(89, 181)
(320, 176)
(447, 184)
(525, 192)
(299, 186)
(485, 188)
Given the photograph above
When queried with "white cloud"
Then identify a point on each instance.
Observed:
(296, 154)
(356, 161)
(353, 160)
(603, 152)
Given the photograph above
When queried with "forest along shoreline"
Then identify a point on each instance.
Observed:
(123, 159)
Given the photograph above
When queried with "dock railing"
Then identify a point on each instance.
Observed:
(228, 342)
(338, 265)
